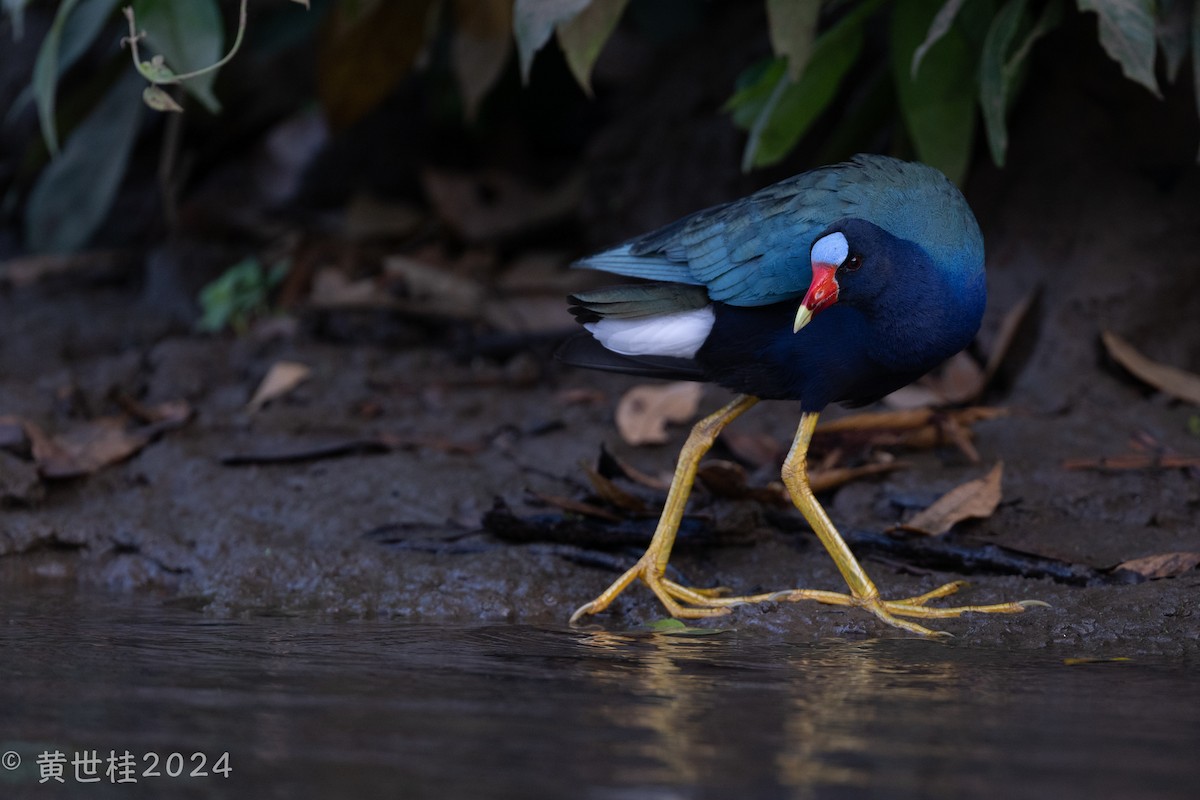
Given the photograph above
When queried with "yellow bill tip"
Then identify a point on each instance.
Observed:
(803, 317)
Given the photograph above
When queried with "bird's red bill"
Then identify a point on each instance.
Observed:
(823, 291)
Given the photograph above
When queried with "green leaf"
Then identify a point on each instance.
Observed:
(481, 46)
(793, 28)
(239, 295)
(156, 71)
(189, 36)
(752, 90)
(157, 98)
(535, 20)
(583, 37)
(45, 75)
(82, 22)
(81, 30)
(937, 101)
(1127, 34)
(1000, 65)
(994, 77)
(786, 110)
(674, 627)
(937, 29)
(73, 194)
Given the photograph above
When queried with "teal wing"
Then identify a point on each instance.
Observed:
(750, 252)
(755, 251)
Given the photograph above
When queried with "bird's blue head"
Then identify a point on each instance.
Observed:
(896, 283)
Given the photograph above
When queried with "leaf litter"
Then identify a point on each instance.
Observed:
(976, 499)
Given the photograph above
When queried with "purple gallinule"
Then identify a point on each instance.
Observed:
(838, 285)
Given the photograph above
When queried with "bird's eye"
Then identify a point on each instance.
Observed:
(852, 262)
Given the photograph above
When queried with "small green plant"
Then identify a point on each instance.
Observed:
(239, 296)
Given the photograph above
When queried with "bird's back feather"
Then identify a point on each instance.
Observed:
(755, 251)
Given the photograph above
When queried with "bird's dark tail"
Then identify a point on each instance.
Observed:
(582, 350)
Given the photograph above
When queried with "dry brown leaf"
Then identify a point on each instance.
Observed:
(609, 491)
(756, 449)
(1134, 461)
(915, 428)
(281, 378)
(575, 506)
(878, 421)
(1007, 333)
(644, 411)
(494, 206)
(823, 480)
(581, 396)
(727, 479)
(975, 499)
(1167, 379)
(437, 290)
(610, 465)
(85, 449)
(332, 289)
(370, 218)
(89, 265)
(1162, 565)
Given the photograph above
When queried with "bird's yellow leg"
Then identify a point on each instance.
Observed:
(862, 590)
(652, 566)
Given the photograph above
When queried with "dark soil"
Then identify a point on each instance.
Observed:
(1094, 212)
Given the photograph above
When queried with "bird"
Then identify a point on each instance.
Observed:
(838, 285)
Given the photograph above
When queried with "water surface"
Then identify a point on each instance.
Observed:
(324, 709)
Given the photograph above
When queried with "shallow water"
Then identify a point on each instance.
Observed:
(392, 709)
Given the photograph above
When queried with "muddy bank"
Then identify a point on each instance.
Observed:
(395, 529)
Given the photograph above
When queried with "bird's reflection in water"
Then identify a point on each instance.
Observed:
(703, 711)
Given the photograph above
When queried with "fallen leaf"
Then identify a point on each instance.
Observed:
(1006, 335)
(914, 428)
(368, 218)
(958, 380)
(1162, 565)
(611, 467)
(975, 499)
(610, 492)
(824, 480)
(727, 479)
(171, 413)
(497, 205)
(1170, 380)
(756, 449)
(581, 397)
(1134, 461)
(575, 506)
(437, 291)
(281, 378)
(644, 411)
(877, 421)
(332, 289)
(84, 449)
(77, 267)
